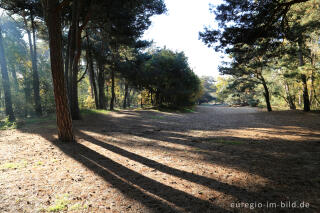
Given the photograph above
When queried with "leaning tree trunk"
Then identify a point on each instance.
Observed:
(53, 20)
(266, 94)
(5, 81)
(306, 101)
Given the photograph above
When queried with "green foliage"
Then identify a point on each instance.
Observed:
(169, 78)
(60, 204)
(7, 124)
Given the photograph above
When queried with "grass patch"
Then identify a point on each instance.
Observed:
(94, 111)
(77, 206)
(156, 117)
(60, 204)
(14, 165)
(175, 109)
(36, 120)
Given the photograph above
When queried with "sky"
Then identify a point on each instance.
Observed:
(179, 30)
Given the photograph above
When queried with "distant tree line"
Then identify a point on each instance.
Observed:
(274, 51)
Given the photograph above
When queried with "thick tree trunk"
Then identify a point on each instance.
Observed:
(53, 19)
(306, 101)
(5, 81)
(35, 74)
(126, 90)
(101, 80)
(112, 90)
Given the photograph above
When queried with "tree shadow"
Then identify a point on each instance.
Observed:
(151, 193)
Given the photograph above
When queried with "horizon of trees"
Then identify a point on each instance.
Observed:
(274, 50)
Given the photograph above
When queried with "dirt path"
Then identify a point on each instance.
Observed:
(148, 161)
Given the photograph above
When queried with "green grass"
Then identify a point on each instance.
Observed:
(13, 165)
(190, 109)
(36, 120)
(60, 204)
(94, 111)
(156, 117)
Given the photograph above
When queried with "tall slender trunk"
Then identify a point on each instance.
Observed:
(27, 93)
(126, 90)
(67, 59)
(53, 20)
(91, 73)
(101, 80)
(15, 79)
(306, 101)
(112, 90)
(35, 74)
(75, 52)
(5, 81)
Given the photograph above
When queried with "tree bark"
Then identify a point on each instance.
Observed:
(112, 90)
(53, 20)
(126, 91)
(91, 73)
(5, 81)
(35, 73)
(289, 98)
(266, 94)
(101, 80)
(306, 101)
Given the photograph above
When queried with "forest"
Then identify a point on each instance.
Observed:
(95, 118)
(274, 53)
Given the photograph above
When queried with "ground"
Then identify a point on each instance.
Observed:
(210, 160)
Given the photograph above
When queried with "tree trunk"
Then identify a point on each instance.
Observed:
(15, 79)
(35, 74)
(266, 94)
(5, 81)
(91, 73)
(306, 101)
(112, 90)
(126, 90)
(101, 80)
(53, 20)
(75, 52)
(289, 98)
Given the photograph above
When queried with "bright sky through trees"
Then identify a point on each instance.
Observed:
(179, 30)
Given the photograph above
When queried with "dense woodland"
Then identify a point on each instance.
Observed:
(273, 49)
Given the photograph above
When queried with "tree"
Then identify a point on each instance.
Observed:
(53, 21)
(5, 81)
(248, 22)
